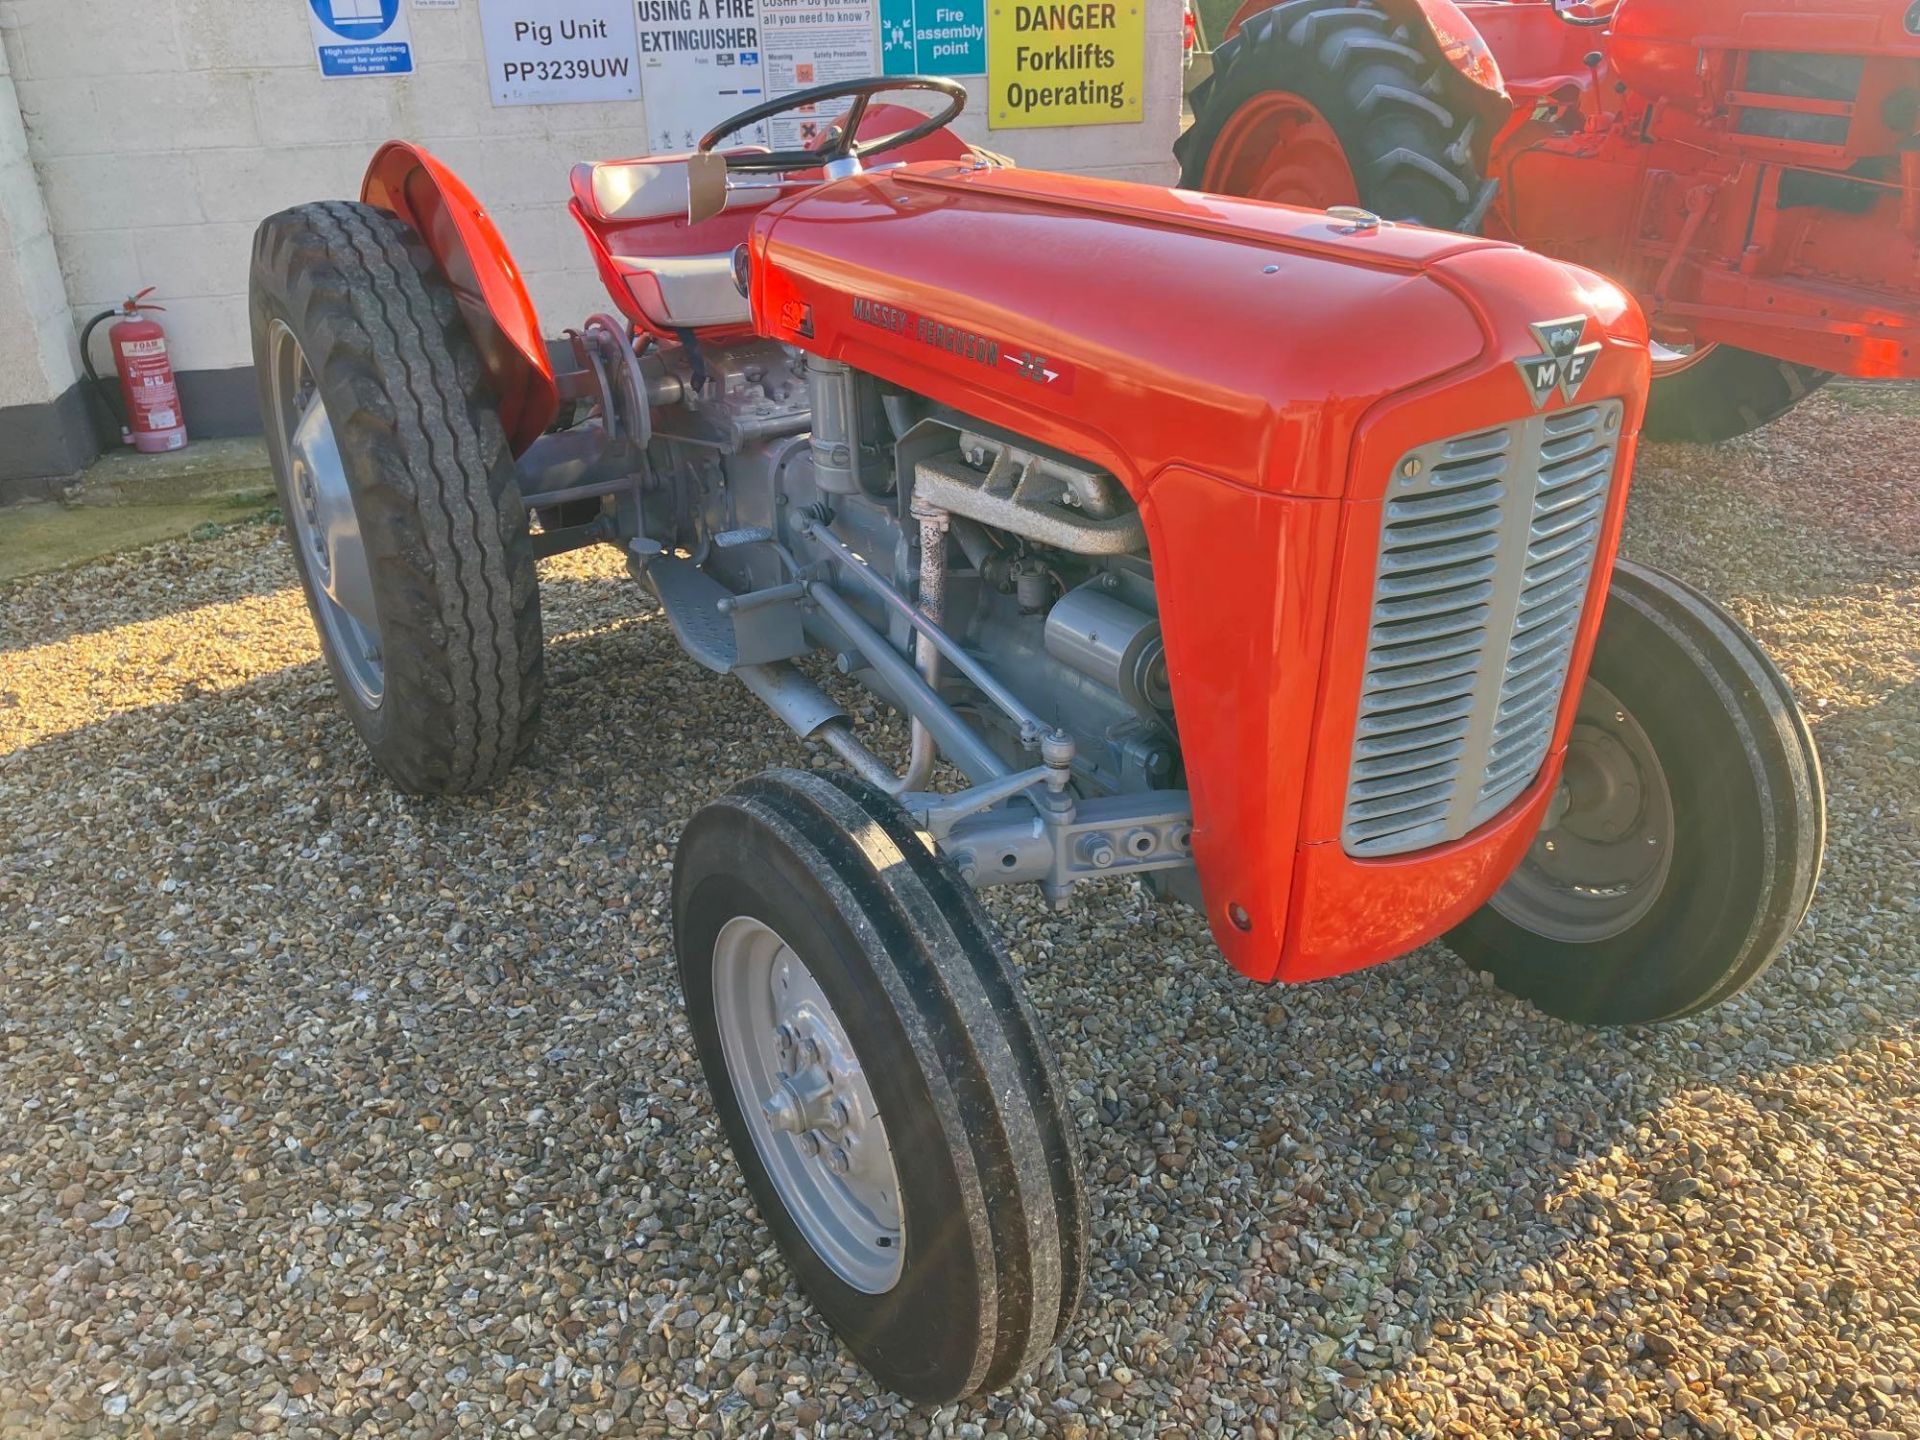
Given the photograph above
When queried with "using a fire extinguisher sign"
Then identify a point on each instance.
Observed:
(148, 394)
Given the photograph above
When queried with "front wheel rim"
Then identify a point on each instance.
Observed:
(1602, 860)
(1279, 147)
(808, 1105)
(321, 515)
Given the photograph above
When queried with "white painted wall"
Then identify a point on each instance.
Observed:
(36, 358)
(163, 130)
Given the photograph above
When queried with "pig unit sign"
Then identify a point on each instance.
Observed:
(544, 54)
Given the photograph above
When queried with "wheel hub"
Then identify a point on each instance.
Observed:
(1280, 147)
(322, 517)
(808, 1104)
(1601, 859)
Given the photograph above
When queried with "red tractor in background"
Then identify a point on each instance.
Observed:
(1750, 173)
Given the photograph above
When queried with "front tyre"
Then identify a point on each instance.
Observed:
(881, 1081)
(1687, 844)
(400, 494)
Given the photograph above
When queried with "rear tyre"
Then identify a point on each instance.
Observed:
(1692, 834)
(881, 1081)
(1305, 79)
(408, 530)
(1723, 392)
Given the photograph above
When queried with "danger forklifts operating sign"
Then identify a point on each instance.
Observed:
(1080, 62)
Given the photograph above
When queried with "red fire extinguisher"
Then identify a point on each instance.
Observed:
(152, 401)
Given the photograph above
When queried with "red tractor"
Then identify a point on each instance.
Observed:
(1300, 610)
(1750, 173)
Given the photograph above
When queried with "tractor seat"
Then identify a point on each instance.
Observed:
(679, 275)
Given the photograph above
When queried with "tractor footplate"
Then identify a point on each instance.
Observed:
(706, 622)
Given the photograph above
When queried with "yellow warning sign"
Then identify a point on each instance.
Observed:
(1081, 62)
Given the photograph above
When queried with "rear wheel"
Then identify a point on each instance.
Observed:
(1709, 393)
(882, 1082)
(1687, 838)
(1331, 103)
(408, 531)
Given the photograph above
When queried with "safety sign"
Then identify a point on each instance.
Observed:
(361, 37)
(933, 37)
(1065, 62)
(540, 52)
(809, 43)
(699, 63)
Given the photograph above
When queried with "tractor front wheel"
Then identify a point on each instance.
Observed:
(1686, 842)
(882, 1083)
(1711, 393)
(400, 494)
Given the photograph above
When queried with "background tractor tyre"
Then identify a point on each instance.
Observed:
(881, 1082)
(1691, 842)
(1724, 392)
(1329, 102)
(400, 494)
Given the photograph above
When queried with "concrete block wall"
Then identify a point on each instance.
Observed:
(43, 428)
(161, 132)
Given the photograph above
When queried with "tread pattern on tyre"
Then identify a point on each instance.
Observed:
(1385, 96)
(979, 1036)
(962, 909)
(1739, 666)
(958, 993)
(440, 504)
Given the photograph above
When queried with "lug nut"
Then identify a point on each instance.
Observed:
(781, 1111)
(837, 1161)
(842, 1116)
(809, 1145)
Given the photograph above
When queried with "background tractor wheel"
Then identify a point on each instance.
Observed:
(1695, 819)
(1717, 392)
(881, 1081)
(1330, 103)
(400, 494)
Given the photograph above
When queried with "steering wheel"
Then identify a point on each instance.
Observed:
(843, 145)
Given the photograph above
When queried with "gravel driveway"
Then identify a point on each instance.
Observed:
(326, 1111)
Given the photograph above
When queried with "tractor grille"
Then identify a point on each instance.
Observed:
(1486, 551)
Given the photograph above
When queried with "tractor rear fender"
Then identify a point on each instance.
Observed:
(1449, 33)
(409, 183)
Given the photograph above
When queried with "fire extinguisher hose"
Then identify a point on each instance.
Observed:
(107, 412)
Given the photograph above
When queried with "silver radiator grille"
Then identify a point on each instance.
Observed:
(1486, 549)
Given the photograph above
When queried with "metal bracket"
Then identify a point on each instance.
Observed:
(1084, 840)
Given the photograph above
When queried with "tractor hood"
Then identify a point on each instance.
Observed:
(1132, 325)
(1257, 376)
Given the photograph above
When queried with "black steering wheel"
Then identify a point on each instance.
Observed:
(842, 145)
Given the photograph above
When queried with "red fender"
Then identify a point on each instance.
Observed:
(411, 184)
(1479, 83)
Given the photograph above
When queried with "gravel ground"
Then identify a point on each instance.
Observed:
(330, 1111)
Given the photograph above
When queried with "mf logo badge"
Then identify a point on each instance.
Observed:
(1566, 363)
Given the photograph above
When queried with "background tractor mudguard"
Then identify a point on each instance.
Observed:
(1476, 83)
(412, 185)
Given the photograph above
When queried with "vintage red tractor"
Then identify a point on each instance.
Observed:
(1751, 173)
(1259, 555)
